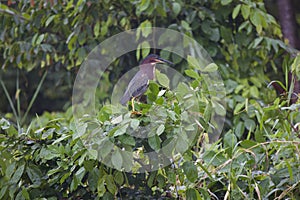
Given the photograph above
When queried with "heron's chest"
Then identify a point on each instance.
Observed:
(148, 72)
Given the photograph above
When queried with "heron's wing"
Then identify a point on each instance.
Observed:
(136, 87)
(125, 98)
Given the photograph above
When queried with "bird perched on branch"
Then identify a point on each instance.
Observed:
(139, 83)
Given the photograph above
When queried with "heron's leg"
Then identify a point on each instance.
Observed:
(133, 110)
(132, 104)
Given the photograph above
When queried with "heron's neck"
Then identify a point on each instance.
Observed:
(149, 70)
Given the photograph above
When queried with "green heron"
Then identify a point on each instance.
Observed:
(139, 83)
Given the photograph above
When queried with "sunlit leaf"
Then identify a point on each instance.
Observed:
(245, 9)
(176, 8)
(193, 62)
(162, 79)
(225, 2)
(236, 11)
(160, 129)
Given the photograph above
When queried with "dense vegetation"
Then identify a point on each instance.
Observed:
(43, 44)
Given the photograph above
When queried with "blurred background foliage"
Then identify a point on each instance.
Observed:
(43, 44)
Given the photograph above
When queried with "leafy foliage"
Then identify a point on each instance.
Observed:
(48, 159)
(257, 157)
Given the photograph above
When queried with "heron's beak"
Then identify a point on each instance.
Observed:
(160, 60)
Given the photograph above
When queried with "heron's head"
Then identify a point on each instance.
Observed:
(154, 59)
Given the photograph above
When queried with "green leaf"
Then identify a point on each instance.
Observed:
(162, 79)
(219, 108)
(256, 42)
(40, 39)
(296, 67)
(93, 178)
(190, 170)
(81, 53)
(4, 7)
(4, 189)
(10, 170)
(5, 124)
(204, 193)
(25, 193)
(171, 176)
(230, 140)
(226, 34)
(117, 120)
(146, 29)
(121, 130)
(239, 129)
(236, 11)
(151, 178)
(34, 173)
(64, 177)
(33, 40)
(296, 63)
(116, 159)
(111, 186)
(230, 85)
(154, 142)
(82, 37)
(193, 62)
(71, 41)
(49, 20)
(48, 133)
(248, 143)
(182, 143)
(191, 73)
(185, 25)
(161, 180)
(106, 147)
(214, 158)
(80, 130)
(118, 177)
(127, 140)
(97, 29)
(245, 9)
(176, 8)
(238, 108)
(103, 30)
(18, 174)
(250, 124)
(290, 170)
(145, 46)
(80, 174)
(160, 129)
(254, 92)
(134, 123)
(192, 194)
(101, 186)
(212, 67)
(144, 5)
(225, 2)
(154, 87)
(255, 18)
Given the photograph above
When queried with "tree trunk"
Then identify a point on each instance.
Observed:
(288, 26)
